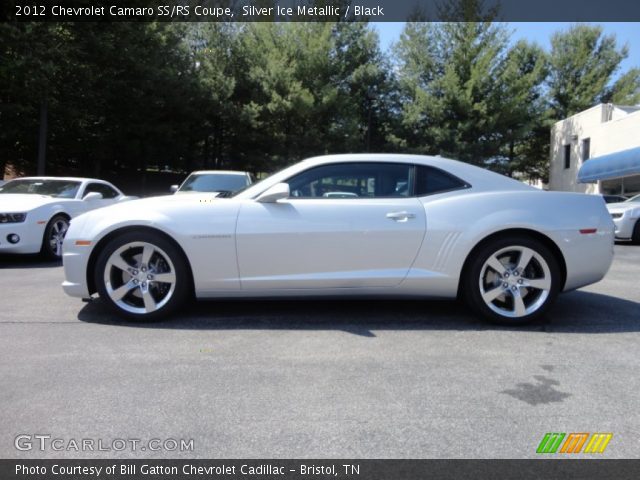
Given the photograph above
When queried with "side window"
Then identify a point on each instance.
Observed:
(431, 180)
(90, 189)
(354, 180)
(106, 191)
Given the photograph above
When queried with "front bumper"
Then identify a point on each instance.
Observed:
(30, 234)
(624, 226)
(75, 271)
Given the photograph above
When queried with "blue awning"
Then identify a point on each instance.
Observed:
(612, 165)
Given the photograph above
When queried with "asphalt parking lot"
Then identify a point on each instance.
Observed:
(339, 379)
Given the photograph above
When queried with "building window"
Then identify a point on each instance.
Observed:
(567, 156)
(586, 149)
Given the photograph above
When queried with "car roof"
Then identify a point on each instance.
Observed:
(69, 179)
(465, 171)
(218, 172)
(478, 178)
(429, 160)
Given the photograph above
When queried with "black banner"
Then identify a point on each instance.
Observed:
(320, 10)
(319, 469)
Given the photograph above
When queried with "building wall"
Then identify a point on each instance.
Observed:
(610, 129)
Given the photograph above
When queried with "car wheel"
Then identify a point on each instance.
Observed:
(142, 276)
(53, 237)
(512, 280)
(635, 237)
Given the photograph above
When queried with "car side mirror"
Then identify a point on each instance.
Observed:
(174, 188)
(91, 196)
(277, 192)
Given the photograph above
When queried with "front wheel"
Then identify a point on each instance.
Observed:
(635, 237)
(54, 234)
(142, 276)
(512, 280)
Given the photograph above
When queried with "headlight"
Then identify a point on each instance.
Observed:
(616, 215)
(12, 217)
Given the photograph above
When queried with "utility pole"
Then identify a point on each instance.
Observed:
(370, 99)
(42, 136)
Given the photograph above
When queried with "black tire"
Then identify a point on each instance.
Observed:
(479, 278)
(166, 257)
(635, 237)
(54, 233)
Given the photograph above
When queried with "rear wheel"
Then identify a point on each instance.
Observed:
(54, 234)
(512, 280)
(635, 237)
(142, 276)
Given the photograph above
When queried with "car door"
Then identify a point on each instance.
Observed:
(345, 225)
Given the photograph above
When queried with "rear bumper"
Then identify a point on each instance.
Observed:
(588, 257)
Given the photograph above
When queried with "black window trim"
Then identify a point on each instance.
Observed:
(585, 147)
(566, 156)
(97, 182)
(464, 185)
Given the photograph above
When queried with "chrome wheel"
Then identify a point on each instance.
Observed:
(57, 233)
(515, 281)
(139, 277)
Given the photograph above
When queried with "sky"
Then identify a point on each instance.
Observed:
(540, 33)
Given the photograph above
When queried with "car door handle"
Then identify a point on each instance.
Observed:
(400, 216)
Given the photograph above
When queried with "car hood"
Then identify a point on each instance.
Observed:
(182, 192)
(161, 204)
(174, 214)
(23, 202)
(179, 198)
(623, 206)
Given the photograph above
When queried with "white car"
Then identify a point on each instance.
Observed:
(410, 226)
(626, 216)
(218, 182)
(35, 211)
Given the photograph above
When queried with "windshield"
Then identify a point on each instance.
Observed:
(634, 199)
(209, 182)
(53, 188)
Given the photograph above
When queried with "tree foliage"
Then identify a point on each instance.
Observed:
(468, 94)
(129, 98)
(583, 63)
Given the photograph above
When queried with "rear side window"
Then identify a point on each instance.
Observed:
(431, 180)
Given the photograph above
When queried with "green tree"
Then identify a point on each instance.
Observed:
(525, 142)
(283, 90)
(309, 88)
(32, 71)
(364, 115)
(583, 65)
(468, 94)
(452, 77)
(212, 129)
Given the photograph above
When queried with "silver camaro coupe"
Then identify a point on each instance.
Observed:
(347, 225)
